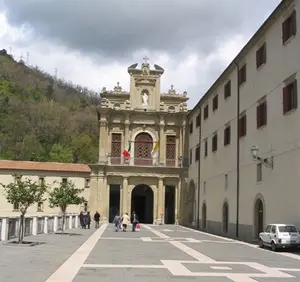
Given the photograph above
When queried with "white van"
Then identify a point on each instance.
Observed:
(280, 236)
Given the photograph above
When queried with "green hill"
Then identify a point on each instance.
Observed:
(45, 120)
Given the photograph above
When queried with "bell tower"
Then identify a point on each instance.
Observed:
(145, 86)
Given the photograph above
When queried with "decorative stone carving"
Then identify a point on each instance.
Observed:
(103, 89)
(145, 99)
(172, 91)
(181, 107)
(185, 108)
(171, 109)
(185, 94)
(104, 103)
(162, 106)
(127, 104)
(118, 88)
(103, 122)
(117, 106)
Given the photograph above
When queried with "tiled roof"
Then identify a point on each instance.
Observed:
(43, 166)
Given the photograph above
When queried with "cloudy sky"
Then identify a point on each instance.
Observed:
(92, 42)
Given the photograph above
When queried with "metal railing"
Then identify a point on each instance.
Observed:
(9, 226)
(152, 162)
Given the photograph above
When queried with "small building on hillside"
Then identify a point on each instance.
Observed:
(47, 172)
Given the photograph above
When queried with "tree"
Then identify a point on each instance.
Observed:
(64, 195)
(24, 193)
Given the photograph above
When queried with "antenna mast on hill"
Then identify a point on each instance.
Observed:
(55, 78)
(27, 58)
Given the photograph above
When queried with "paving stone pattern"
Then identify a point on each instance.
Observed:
(156, 253)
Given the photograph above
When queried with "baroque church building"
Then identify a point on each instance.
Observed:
(142, 165)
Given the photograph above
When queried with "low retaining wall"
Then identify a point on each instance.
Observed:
(9, 226)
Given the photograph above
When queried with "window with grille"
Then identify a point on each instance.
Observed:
(143, 146)
(290, 97)
(170, 150)
(214, 146)
(243, 126)
(289, 27)
(116, 148)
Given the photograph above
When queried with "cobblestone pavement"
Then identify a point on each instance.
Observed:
(156, 253)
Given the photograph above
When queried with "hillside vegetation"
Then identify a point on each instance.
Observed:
(45, 120)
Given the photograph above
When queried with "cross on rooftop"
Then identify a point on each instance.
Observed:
(146, 59)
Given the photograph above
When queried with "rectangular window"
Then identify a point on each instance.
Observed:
(204, 187)
(64, 181)
(191, 127)
(16, 207)
(261, 55)
(205, 147)
(215, 103)
(259, 172)
(215, 143)
(226, 181)
(116, 148)
(227, 90)
(42, 181)
(40, 207)
(242, 74)
(197, 154)
(261, 114)
(205, 113)
(289, 27)
(198, 120)
(227, 135)
(243, 126)
(87, 182)
(191, 157)
(171, 150)
(290, 97)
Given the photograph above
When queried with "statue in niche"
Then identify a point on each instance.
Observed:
(145, 99)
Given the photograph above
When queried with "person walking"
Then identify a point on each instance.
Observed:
(125, 221)
(81, 218)
(117, 222)
(97, 219)
(135, 221)
(88, 220)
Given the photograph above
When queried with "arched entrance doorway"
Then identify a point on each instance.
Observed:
(143, 145)
(258, 217)
(142, 203)
(225, 218)
(191, 202)
(204, 216)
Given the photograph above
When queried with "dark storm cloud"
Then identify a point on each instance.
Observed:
(116, 28)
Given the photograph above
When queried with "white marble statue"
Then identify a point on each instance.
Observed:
(145, 99)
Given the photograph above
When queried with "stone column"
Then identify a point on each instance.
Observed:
(103, 138)
(161, 200)
(4, 229)
(162, 157)
(177, 201)
(93, 196)
(107, 201)
(121, 200)
(46, 224)
(35, 225)
(155, 205)
(100, 197)
(125, 195)
(182, 137)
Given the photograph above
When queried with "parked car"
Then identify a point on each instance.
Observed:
(279, 236)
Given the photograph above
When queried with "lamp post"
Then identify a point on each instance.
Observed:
(267, 161)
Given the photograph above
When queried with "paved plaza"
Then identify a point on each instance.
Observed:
(156, 253)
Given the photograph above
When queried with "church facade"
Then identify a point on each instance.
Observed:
(142, 165)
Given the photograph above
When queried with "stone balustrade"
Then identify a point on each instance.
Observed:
(9, 226)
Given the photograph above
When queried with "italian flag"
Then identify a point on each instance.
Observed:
(126, 153)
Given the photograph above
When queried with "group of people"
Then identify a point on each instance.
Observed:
(85, 219)
(121, 222)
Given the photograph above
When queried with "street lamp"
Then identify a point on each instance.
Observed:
(267, 162)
